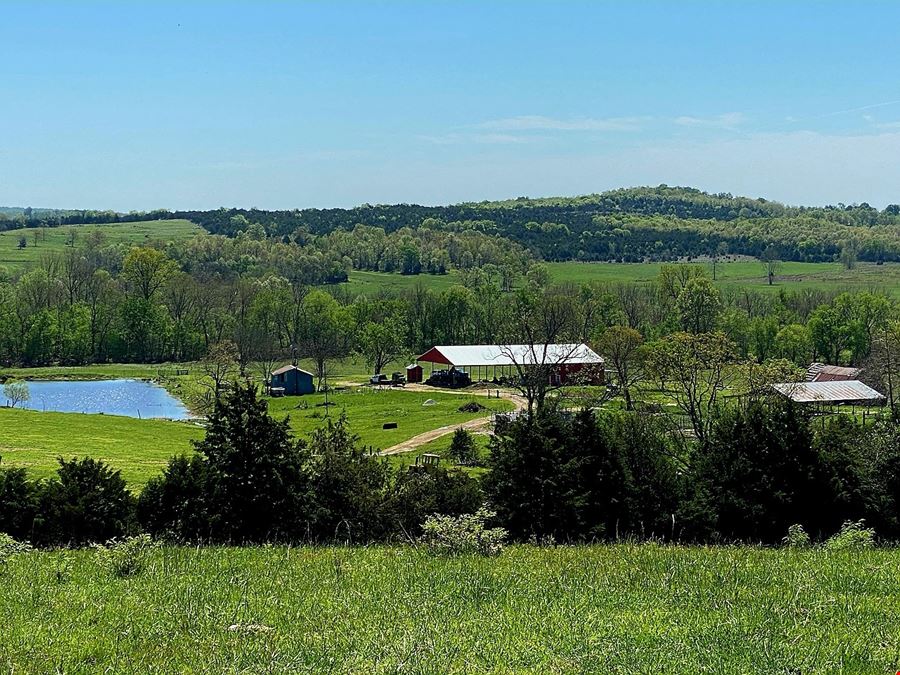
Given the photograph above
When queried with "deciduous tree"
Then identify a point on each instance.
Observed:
(622, 347)
(693, 369)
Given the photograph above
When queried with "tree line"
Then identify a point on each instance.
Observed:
(173, 302)
(630, 225)
(247, 300)
(553, 476)
(765, 466)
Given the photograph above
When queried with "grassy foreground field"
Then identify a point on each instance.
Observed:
(624, 608)
(53, 239)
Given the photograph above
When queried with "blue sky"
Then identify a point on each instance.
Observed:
(134, 105)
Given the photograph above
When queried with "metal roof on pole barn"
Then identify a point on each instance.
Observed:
(822, 372)
(510, 355)
(848, 391)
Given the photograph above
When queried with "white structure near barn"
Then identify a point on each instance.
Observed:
(845, 392)
(564, 361)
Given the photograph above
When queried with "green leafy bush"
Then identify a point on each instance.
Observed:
(87, 502)
(456, 535)
(796, 537)
(10, 547)
(62, 569)
(462, 448)
(125, 558)
(18, 502)
(853, 536)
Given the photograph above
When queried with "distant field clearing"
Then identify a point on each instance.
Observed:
(790, 276)
(40, 241)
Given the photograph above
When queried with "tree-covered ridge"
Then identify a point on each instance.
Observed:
(29, 212)
(577, 213)
(687, 202)
(13, 218)
(630, 225)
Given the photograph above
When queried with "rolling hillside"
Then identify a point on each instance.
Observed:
(40, 241)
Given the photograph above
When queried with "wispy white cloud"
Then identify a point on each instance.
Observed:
(888, 125)
(542, 123)
(729, 120)
(521, 129)
(482, 138)
(860, 108)
(500, 138)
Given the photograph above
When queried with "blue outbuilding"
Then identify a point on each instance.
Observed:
(291, 381)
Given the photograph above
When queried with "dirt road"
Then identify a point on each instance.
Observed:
(472, 425)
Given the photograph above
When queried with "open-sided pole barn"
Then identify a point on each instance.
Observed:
(494, 362)
(847, 392)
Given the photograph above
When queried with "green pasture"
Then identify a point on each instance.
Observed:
(97, 371)
(55, 239)
(141, 448)
(565, 609)
(138, 448)
(729, 275)
(744, 274)
(369, 409)
(362, 282)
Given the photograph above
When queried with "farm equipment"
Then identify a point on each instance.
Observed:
(452, 378)
(396, 380)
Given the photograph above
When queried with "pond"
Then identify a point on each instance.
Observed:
(131, 398)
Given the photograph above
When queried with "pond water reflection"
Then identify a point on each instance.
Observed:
(131, 398)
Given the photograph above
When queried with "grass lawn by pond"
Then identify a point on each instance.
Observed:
(141, 448)
(600, 609)
(138, 448)
(97, 371)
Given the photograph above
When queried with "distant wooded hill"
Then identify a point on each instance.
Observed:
(629, 225)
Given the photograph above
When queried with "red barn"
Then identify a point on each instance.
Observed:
(486, 362)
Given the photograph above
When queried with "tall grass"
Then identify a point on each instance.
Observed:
(623, 608)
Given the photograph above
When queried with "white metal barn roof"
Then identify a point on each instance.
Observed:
(509, 355)
(828, 392)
